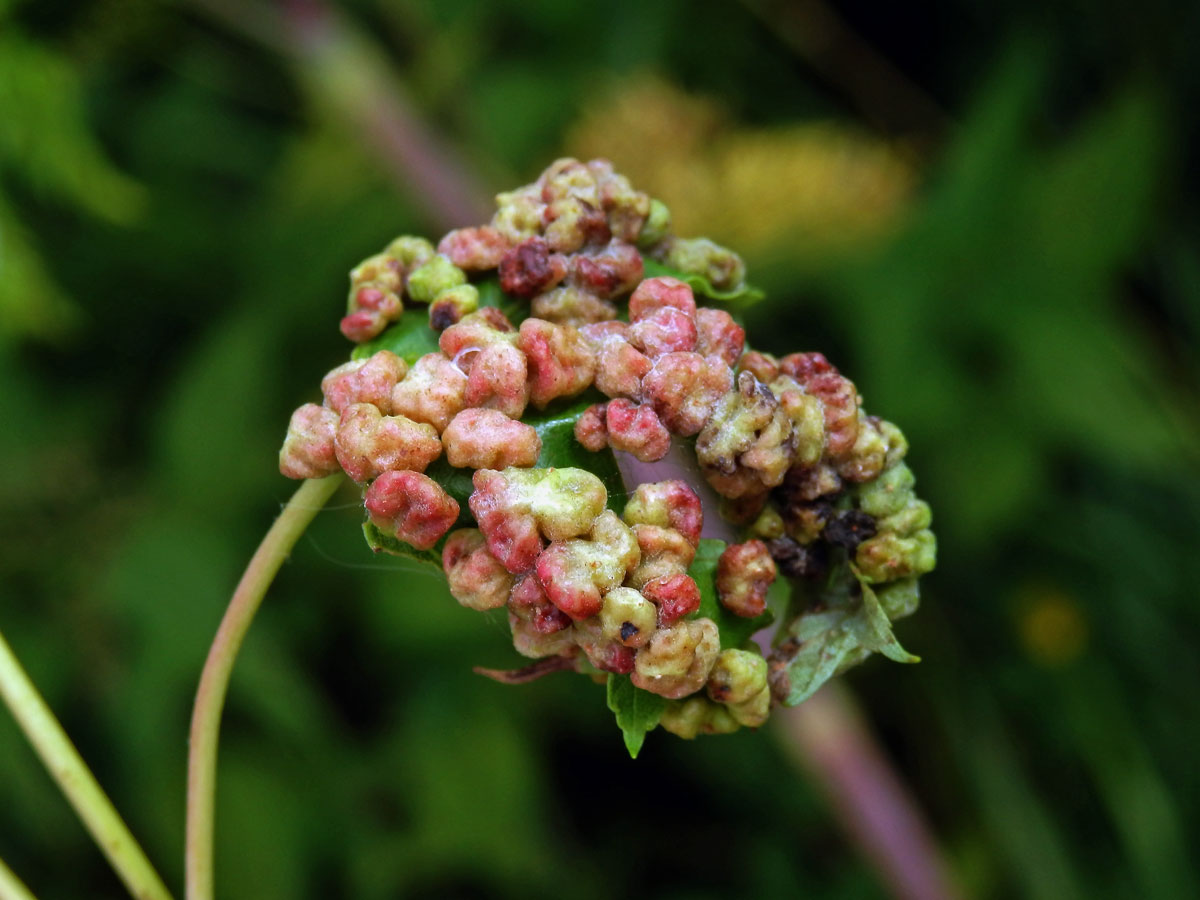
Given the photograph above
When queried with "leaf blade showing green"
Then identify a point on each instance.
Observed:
(877, 632)
(637, 711)
(850, 624)
(382, 542)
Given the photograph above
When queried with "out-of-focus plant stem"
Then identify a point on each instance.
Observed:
(343, 70)
(308, 500)
(828, 737)
(11, 887)
(77, 782)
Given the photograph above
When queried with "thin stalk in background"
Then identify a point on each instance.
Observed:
(214, 680)
(11, 887)
(77, 782)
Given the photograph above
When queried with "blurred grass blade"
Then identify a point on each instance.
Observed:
(68, 769)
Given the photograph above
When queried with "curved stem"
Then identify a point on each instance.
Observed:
(11, 887)
(77, 782)
(214, 680)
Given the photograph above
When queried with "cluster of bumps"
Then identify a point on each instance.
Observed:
(784, 441)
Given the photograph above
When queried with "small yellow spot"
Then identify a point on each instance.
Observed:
(1051, 625)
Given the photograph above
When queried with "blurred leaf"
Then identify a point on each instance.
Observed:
(1021, 824)
(31, 304)
(1141, 805)
(210, 441)
(637, 711)
(44, 136)
(471, 788)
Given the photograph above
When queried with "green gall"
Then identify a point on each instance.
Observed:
(753, 711)
(900, 598)
(887, 494)
(628, 617)
(434, 277)
(411, 252)
(723, 268)
(451, 305)
(657, 224)
(888, 556)
(737, 676)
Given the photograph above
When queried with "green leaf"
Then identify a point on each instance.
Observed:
(637, 711)
(848, 625)
(735, 630)
(825, 643)
(739, 298)
(381, 542)
(874, 630)
(45, 136)
(410, 338)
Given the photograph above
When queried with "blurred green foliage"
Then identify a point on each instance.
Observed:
(179, 205)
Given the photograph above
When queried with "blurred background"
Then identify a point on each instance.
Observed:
(985, 214)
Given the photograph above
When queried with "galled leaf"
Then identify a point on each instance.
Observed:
(410, 338)
(740, 298)
(555, 425)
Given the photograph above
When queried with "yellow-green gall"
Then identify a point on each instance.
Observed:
(769, 524)
(887, 494)
(722, 267)
(889, 556)
(753, 711)
(684, 718)
(434, 277)
(808, 419)
(451, 305)
(677, 660)
(657, 224)
(628, 617)
(411, 251)
(737, 676)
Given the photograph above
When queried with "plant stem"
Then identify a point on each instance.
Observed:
(214, 680)
(11, 887)
(77, 782)
(829, 739)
